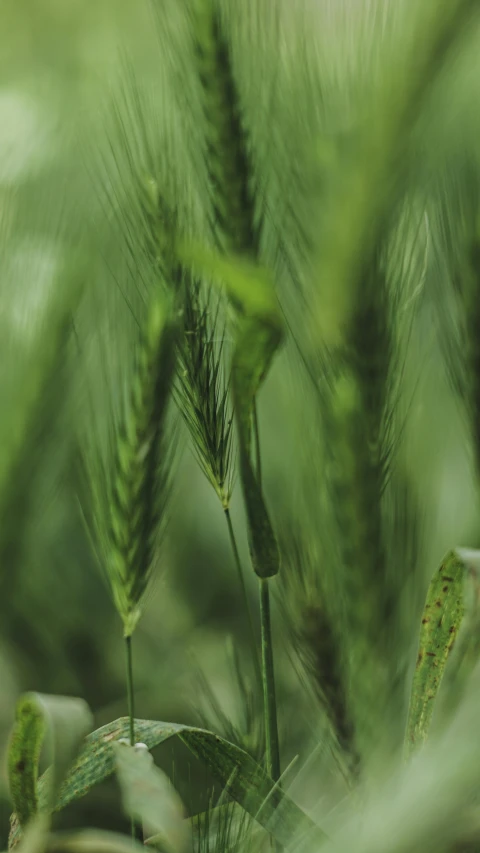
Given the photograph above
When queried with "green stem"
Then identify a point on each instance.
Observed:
(256, 431)
(131, 708)
(268, 672)
(268, 677)
(241, 578)
(131, 711)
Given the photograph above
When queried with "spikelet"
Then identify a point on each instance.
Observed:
(202, 391)
(137, 499)
(159, 233)
(228, 159)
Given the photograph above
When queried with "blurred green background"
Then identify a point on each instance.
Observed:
(59, 64)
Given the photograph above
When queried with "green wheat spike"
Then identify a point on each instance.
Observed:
(159, 230)
(358, 415)
(228, 159)
(202, 391)
(136, 499)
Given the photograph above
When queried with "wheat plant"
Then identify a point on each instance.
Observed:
(265, 224)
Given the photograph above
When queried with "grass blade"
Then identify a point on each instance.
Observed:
(442, 616)
(66, 720)
(244, 780)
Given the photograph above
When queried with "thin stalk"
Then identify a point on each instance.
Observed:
(131, 709)
(131, 712)
(268, 678)
(256, 432)
(241, 578)
(268, 672)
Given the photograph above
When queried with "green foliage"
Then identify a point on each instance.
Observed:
(328, 154)
(243, 779)
(441, 620)
(66, 721)
(466, 653)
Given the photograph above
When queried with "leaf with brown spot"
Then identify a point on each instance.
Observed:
(436, 642)
(240, 775)
(66, 720)
(466, 638)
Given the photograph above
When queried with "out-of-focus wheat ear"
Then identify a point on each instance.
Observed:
(316, 635)
(202, 389)
(358, 431)
(160, 232)
(137, 506)
(371, 184)
(228, 158)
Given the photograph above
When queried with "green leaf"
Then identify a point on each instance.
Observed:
(65, 721)
(97, 758)
(442, 616)
(466, 652)
(243, 779)
(150, 798)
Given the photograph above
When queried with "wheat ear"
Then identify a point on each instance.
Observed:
(136, 511)
(203, 399)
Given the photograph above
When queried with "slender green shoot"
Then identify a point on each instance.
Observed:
(268, 670)
(130, 689)
(131, 707)
(243, 587)
(256, 431)
(269, 694)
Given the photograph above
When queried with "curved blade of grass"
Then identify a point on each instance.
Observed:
(66, 721)
(243, 779)
(259, 334)
(442, 616)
